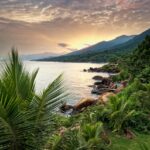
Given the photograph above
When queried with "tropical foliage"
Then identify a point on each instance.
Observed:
(25, 117)
(27, 120)
(127, 113)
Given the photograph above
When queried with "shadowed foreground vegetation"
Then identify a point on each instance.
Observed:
(27, 120)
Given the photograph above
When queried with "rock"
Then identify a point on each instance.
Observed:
(91, 86)
(98, 83)
(84, 103)
(106, 81)
(102, 86)
(93, 69)
(84, 70)
(105, 97)
(101, 91)
(97, 77)
(95, 91)
(80, 106)
(109, 68)
(123, 85)
(65, 108)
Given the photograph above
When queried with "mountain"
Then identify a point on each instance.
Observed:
(38, 56)
(133, 43)
(101, 46)
(105, 54)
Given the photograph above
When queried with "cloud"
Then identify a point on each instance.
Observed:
(64, 45)
(34, 25)
(97, 12)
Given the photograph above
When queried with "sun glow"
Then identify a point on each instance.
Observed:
(86, 41)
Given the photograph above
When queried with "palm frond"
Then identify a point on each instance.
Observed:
(17, 79)
(22, 111)
(14, 124)
(47, 102)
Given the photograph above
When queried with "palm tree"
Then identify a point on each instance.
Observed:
(25, 117)
(90, 137)
(120, 110)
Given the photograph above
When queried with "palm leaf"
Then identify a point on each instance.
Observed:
(14, 124)
(17, 79)
(21, 110)
(47, 102)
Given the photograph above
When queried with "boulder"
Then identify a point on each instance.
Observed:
(80, 106)
(65, 108)
(98, 78)
(109, 68)
(91, 86)
(106, 81)
(93, 69)
(84, 103)
(105, 97)
(98, 83)
(101, 90)
(95, 91)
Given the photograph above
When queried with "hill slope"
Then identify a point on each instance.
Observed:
(101, 46)
(103, 55)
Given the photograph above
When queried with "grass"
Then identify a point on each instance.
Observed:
(138, 143)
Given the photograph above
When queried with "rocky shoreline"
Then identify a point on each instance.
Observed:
(109, 68)
(104, 87)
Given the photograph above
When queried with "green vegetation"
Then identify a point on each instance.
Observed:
(25, 117)
(137, 64)
(27, 120)
(103, 55)
(123, 123)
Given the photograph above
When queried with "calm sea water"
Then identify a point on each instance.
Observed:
(76, 81)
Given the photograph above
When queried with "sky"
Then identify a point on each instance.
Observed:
(63, 26)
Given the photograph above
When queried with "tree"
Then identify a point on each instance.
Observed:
(25, 117)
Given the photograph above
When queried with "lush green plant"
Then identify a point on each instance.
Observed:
(90, 137)
(65, 141)
(119, 112)
(25, 117)
(143, 146)
(139, 60)
(144, 76)
(111, 67)
(129, 109)
(123, 75)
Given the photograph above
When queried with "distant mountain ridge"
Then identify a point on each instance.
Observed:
(101, 46)
(38, 56)
(109, 50)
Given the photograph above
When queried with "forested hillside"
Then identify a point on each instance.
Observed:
(103, 55)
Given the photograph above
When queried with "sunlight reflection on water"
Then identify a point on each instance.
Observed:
(76, 81)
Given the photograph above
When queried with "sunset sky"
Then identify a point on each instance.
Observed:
(63, 26)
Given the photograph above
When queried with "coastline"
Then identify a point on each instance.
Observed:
(103, 87)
